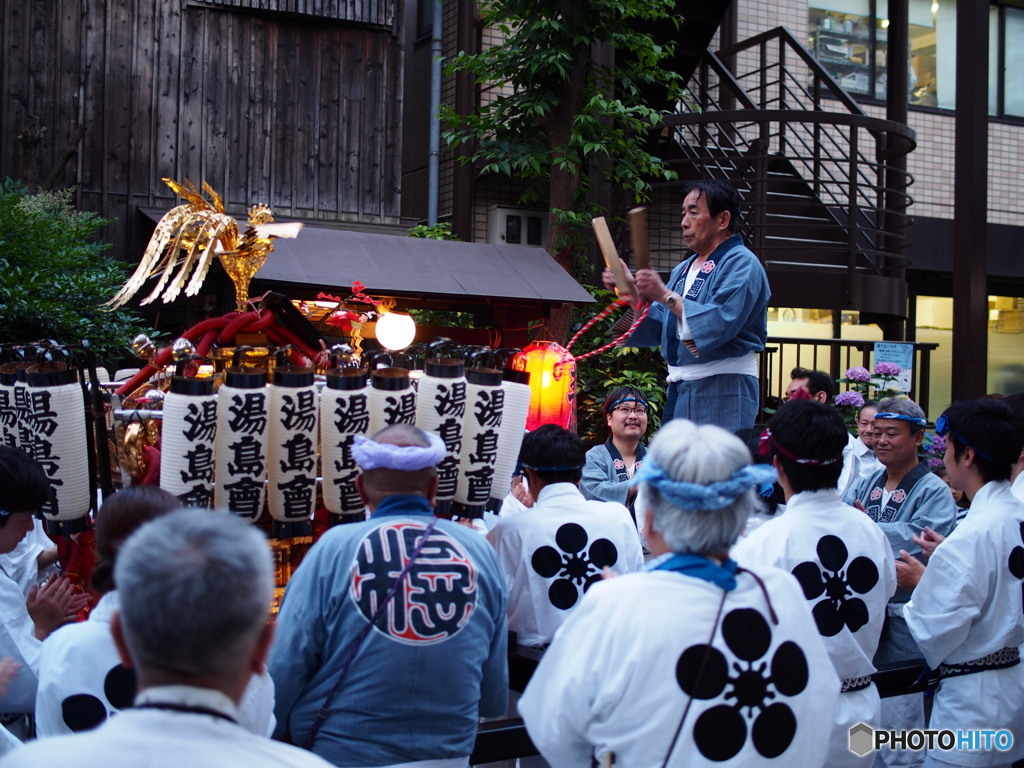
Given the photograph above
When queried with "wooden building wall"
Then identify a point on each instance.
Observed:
(295, 103)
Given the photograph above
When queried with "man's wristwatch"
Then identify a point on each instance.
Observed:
(670, 300)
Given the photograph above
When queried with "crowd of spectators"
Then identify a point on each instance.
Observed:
(669, 630)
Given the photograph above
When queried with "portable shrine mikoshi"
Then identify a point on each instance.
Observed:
(271, 447)
(230, 437)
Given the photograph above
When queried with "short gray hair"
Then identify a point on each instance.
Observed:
(703, 455)
(195, 588)
(905, 407)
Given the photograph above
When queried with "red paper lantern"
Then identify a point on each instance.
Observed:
(552, 371)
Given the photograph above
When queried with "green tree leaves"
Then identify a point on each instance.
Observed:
(554, 115)
(54, 276)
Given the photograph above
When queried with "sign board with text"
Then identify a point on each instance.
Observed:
(901, 354)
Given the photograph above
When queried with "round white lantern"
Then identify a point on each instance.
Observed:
(395, 330)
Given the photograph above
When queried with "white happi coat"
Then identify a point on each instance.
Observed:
(82, 681)
(553, 552)
(622, 669)
(166, 738)
(22, 565)
(18, 640)
(844, 565)
(969, 605)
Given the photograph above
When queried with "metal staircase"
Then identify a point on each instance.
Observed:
(826, 206)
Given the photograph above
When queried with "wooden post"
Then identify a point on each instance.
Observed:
(970, 203)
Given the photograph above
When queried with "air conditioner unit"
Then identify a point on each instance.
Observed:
(515, 226)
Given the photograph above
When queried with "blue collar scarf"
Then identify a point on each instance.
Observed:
(698, 567)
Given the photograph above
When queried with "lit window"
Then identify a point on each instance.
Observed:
(850, 38)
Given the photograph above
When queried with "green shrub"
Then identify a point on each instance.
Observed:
(54, 275)
(621, 366)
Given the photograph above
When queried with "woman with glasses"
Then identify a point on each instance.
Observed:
(610, 465)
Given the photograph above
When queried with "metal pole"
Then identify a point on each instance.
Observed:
(434, 166)
(465, 104)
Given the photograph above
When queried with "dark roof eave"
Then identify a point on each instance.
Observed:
(327, 259)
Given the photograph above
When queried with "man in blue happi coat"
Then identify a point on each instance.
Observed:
(906, 499)
(412, 607)
(711, 317)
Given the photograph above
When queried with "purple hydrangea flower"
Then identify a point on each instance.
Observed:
(858, 374)
(938, 445)
(854, 398)
(887, 369)
(933, 462)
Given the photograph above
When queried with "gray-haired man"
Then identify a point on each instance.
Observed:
(195, 593)
(693, 661)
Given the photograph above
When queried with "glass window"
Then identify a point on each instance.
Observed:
(850, 38)
(1013, 68)
(841, 38)
(424, 18)
(932, 35)
(931, 78)
(993, 60)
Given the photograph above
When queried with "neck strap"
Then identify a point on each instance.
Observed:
(186, 708)
(723, 576)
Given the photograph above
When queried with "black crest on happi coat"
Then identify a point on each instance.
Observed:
(838, 583)
(751, 687)
(573, 565)
(1016, 561)
(83, 711)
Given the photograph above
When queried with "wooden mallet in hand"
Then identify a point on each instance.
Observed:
(638, 233)
(638, 238)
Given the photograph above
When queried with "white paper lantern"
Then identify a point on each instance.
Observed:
(440, 408)
(392, 399)
(485, 405)
(59, 442)
(188, 435)
(21, 406)
(292, 450)
(8, 410)
(344, 413)
(513, 425)
(243, 406)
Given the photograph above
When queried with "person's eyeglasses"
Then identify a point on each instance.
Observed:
(638, 410)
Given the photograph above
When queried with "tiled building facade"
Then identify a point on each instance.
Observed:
(932, 163)
(932, 166)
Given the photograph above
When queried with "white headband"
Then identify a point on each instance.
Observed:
(370, 454)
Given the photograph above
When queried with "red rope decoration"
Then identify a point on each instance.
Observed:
(222, 330)
(622, 301)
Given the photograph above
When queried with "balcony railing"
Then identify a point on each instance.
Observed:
(834, 356)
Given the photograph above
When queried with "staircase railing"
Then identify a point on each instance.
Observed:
(816, 172)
